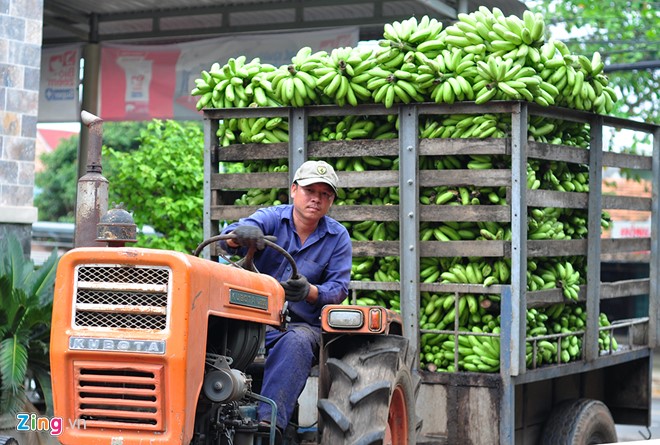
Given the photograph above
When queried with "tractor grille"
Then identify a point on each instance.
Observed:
(119, 395)
(122, 297)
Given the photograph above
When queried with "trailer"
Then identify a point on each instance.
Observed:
(525, 401)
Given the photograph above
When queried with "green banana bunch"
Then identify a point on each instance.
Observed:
(474, 126)
(261, 90)
(260, 197)
(569, 279)
(261, 130)
(478, 353)
(395, 86)
(587, 88)
(606, 341)
(409, 40)
(448, 77)
(231, 83)
(361, 267)
(491, 31)
(295, 84)
(253, 130)
(343, 75)
(554, 335)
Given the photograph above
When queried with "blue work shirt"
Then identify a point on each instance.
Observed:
(325, 259)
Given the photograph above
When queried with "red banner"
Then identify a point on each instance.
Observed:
(137, 84)
(145, 82)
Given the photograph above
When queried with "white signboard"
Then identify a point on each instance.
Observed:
(58, 88)
(631, 229)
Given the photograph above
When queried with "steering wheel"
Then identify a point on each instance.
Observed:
(247, 262)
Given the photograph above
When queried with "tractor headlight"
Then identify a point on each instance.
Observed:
(345, 319)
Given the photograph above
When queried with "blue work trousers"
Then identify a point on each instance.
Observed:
(290, 356)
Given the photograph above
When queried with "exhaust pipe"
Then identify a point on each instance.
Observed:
(92, 196)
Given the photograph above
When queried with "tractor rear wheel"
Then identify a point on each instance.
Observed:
(371, 399)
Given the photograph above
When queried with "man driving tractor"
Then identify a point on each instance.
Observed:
(321, 247)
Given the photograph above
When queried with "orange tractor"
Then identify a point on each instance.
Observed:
(156, 347)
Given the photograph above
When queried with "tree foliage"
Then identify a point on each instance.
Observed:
(623, 33)
(57, 183)
(59, 179)
(161, 184)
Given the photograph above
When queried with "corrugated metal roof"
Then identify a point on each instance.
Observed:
(82, 21)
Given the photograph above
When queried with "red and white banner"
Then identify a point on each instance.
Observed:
(146, 82)
(631, 229)
(58, 87)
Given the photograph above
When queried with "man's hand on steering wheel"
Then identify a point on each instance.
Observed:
(296, 289)
(249, 236)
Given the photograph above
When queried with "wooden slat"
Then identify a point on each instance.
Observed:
(626, 203)
(465, 213)
(374, 285)
(626, 288)
(464, 248)
(364, 213)
(355, 148)
(231, 212)
(242, 152)
(625, 160)
(552, 198)
(538, 150)
(370, 178)
(439, 147)
(483, 178)
(543, 248)
(622, 245)
(243, 181)
(375, 248)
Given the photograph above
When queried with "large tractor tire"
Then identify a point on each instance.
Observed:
(579, 422)
(371, 399)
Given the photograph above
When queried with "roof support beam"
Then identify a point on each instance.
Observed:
(441, 7)
(68, 27)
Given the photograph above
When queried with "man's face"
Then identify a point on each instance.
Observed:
(312, 201)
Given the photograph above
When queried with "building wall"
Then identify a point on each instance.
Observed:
(21, 23)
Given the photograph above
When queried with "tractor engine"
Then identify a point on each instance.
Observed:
(153, 346)
(227, 407)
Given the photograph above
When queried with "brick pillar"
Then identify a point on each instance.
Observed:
(21, 23)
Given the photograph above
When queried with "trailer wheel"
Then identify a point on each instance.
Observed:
(6, 440)
(579, 422)
(371, 399)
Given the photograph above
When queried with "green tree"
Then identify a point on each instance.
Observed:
(625, 34)
(57, 183)
(59, 180)
(161, 184)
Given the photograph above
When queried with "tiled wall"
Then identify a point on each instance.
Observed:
(20, 58)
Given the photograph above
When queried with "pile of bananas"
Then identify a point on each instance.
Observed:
(483, 56)
(253, 130)
(295, 84)
(342, 76)
(554, 335)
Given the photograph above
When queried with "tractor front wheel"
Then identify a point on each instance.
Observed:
(371, 399)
